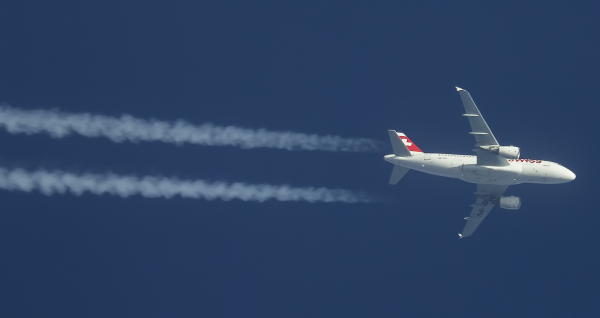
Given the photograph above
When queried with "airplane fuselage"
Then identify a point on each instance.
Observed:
(465, 167)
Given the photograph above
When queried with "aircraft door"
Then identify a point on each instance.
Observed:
(427, 156)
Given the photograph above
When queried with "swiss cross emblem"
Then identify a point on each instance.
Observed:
(481, 211)
(406, 142)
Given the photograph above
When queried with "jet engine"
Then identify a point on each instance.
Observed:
(508, 152)
(510, 203)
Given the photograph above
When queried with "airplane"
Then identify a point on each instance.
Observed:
(493, 167)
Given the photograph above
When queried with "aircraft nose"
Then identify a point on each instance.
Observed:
(568, 175)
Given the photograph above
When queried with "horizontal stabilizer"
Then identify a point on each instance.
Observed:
(398, 145)
(398, 173)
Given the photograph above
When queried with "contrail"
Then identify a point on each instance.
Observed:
(127, 128)
(59, 182)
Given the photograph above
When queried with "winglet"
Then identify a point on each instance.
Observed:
(460, 235)
(458, 89)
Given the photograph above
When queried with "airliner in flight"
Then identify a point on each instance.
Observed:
(493, 167)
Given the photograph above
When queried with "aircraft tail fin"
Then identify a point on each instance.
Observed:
(398, 173)
(401, 144)
(409, 144)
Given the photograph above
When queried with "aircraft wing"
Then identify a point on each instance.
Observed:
(479, 128)
(485, 194)
(481, 131)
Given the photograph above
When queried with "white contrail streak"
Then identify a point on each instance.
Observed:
(53, 182)
(127, 128)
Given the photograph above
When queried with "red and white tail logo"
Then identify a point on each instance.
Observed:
(409, 144)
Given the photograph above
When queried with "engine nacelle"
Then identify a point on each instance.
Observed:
(510, 203)
(508, 152)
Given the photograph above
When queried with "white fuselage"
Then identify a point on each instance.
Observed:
(465, 167)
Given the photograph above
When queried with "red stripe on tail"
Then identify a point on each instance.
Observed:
(409, 144)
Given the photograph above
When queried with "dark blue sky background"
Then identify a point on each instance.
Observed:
(349, 68)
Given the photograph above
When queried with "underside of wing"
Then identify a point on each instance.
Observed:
(481, 131)
(490, 190)
(486, 194)
(479, 128)
(481, 208)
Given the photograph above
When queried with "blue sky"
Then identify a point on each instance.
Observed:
(349, 68)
